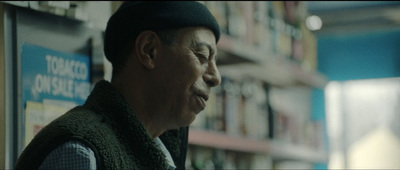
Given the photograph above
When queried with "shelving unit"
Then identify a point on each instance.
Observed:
(277, 150)
(242, 59)
(239, 59)
(223, 141)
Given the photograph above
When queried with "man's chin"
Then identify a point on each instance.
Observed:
(191, 120)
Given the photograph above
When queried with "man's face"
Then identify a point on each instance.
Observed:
(186, 72)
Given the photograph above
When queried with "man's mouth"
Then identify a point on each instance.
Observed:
(202, 98)
(203, 95)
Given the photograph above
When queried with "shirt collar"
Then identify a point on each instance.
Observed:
(166, 152)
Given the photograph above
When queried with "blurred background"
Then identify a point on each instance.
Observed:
(306, 84)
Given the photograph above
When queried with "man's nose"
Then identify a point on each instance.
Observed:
(212, 76)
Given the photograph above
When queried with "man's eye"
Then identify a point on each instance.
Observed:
(202, 57)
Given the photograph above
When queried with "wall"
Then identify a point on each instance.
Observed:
(359, 56)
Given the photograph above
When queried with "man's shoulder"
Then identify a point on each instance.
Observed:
(72, 125)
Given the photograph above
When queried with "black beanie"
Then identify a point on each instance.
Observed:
(134, 17)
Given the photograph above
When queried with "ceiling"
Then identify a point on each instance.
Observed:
(355, 16)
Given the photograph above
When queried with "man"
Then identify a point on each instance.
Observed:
(164, 65)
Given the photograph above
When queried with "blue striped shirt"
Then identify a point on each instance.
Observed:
(74, 154)
(70, 155)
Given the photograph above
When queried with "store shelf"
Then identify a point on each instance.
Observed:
(239, 59)
(277, 150)
(240, 51)
(310, 78)
(273, 73)
(280, 150)
(221, 140)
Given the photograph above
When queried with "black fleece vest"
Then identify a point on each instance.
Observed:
(111, 129)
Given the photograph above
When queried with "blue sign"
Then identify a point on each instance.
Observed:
(50, 74)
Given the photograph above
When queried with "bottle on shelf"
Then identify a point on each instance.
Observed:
(232, 103)
(255, 111)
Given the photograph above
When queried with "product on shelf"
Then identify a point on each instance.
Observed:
(230, 161)
(232, 103)
(255, 110)
(278, 9)
(200, 158)
(236, 20)
(292, 120)
(212, 113)
(309, 43)
(291, 15)
(292, 165)
(259, 161)
(236, 108)
(205, 158)
(261, 24)
(297, 51)
(218, 158)
(285, 42)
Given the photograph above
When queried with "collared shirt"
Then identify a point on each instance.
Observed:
(74, 154)
(70, 155)
(166, 153)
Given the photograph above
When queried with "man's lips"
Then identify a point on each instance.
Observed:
(202, 99)
(203, 95)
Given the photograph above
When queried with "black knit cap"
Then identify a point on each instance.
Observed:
(134, 17)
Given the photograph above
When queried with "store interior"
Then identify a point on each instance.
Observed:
(305, 84)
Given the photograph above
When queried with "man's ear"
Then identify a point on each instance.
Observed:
(145, 46)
